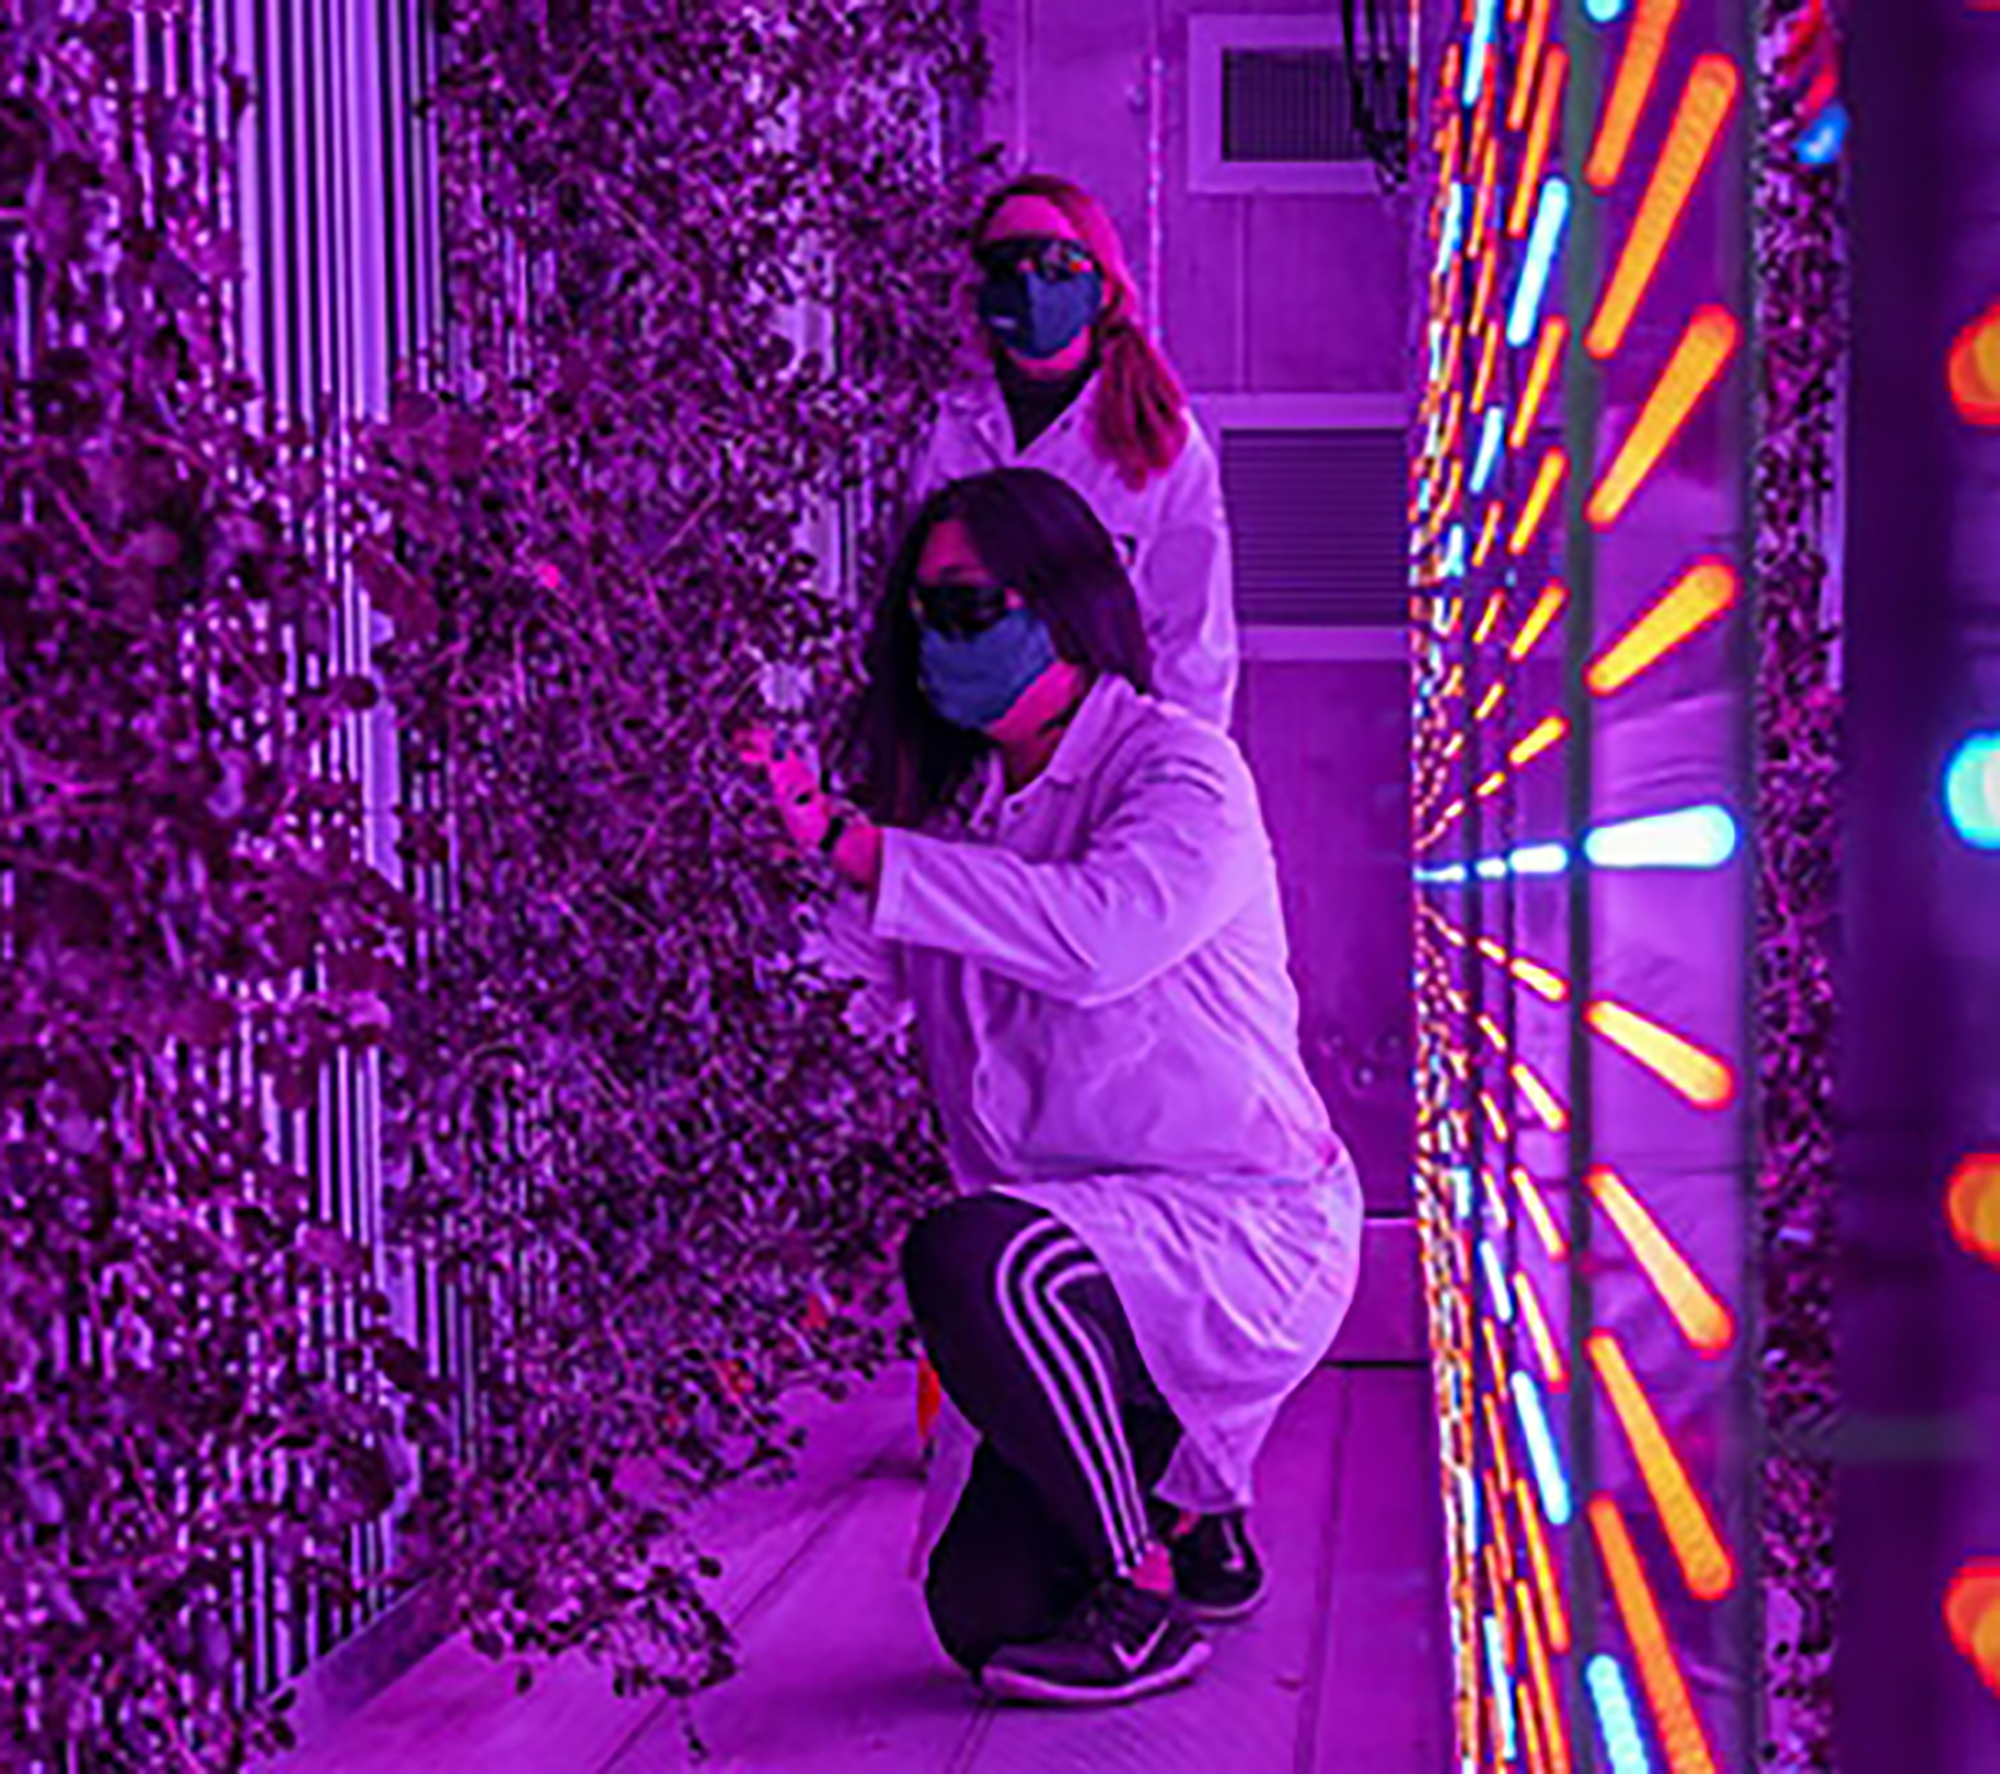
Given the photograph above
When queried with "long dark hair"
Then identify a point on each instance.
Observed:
(1035, 533)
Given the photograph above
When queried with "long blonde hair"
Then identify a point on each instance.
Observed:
(1141, 416)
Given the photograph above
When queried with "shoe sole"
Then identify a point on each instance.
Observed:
(1223, 1614)
(1014, 1684)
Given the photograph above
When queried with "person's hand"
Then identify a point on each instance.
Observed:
(793, 780)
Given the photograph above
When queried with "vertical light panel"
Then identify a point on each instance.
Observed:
(1588, 514)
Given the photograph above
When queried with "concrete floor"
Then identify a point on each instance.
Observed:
(1343, 1668)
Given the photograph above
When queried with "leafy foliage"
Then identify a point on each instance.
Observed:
(189, 930)
(654, 1176)
(642, 1141)
(1801, 319)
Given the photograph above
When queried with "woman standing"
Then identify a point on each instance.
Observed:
(1078, 389)
(1159, 1231)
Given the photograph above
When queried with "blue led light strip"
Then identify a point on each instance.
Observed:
(1544, 241)
(1454, 224)
(1551, 1483)
(1491, 435)
(1476, 50)
(1454, 552)
(1972, 790)
(1703, 837)
(1611, 1696)
(1496, 1283)
(1503, 1690)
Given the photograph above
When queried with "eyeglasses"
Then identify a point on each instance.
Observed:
(1048, 256)
(957, 609)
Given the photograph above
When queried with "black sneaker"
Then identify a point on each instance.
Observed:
(1120, 1644)
(1217, 1573)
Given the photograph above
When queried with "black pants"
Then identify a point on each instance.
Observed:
(1029, 1340)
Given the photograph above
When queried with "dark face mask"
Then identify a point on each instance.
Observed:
(975, 656)
(1039, 292)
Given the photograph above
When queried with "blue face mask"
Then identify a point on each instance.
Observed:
(972, 680)
(1038, 294)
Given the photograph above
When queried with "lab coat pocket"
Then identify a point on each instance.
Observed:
(1074, 1091)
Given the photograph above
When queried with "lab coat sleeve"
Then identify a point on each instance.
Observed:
(1177, 855)
(841, 946)
(1186, 586)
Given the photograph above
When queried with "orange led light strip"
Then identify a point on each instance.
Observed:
(1488, 532)
(1496, 604)
(1550, 730)
(1698, 360)
(1454, 417)
(1697, 598)
(1494, 1118)
(1500, 1569)
(1972, 1204)
(1454, 485)
(1528, 176)
(1482, 199)
(1680, 1731)
(1705, 1080)
(1547, 608)
(1645, 42)
(1703, 1319)
(1497, 1440)
(1555, 464)
(1489, 362)
(1547, 1711)
(1541, 1099)
(1972, 1616)
(1539, 979)
(1494, 1359)
(1529, 1723)
(1532, 42)
(1548, 352)
(1448, 142)
(1482, 288)
(1705, 105)
(1548, 1586)
(1539, 1216)
(1554, 1368)
(1704, 1560)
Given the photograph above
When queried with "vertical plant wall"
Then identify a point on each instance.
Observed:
(1802, 309)
(648, 1176)
(641, 1144)
(190, 937)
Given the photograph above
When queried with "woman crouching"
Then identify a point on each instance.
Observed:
(1069, 884)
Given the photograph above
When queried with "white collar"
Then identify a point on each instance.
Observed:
(1076, 753)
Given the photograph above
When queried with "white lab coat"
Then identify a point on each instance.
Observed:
(1098, 979)
(1172, 534)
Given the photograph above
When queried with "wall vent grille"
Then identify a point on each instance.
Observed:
(1317, 525)
(1287, 106)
